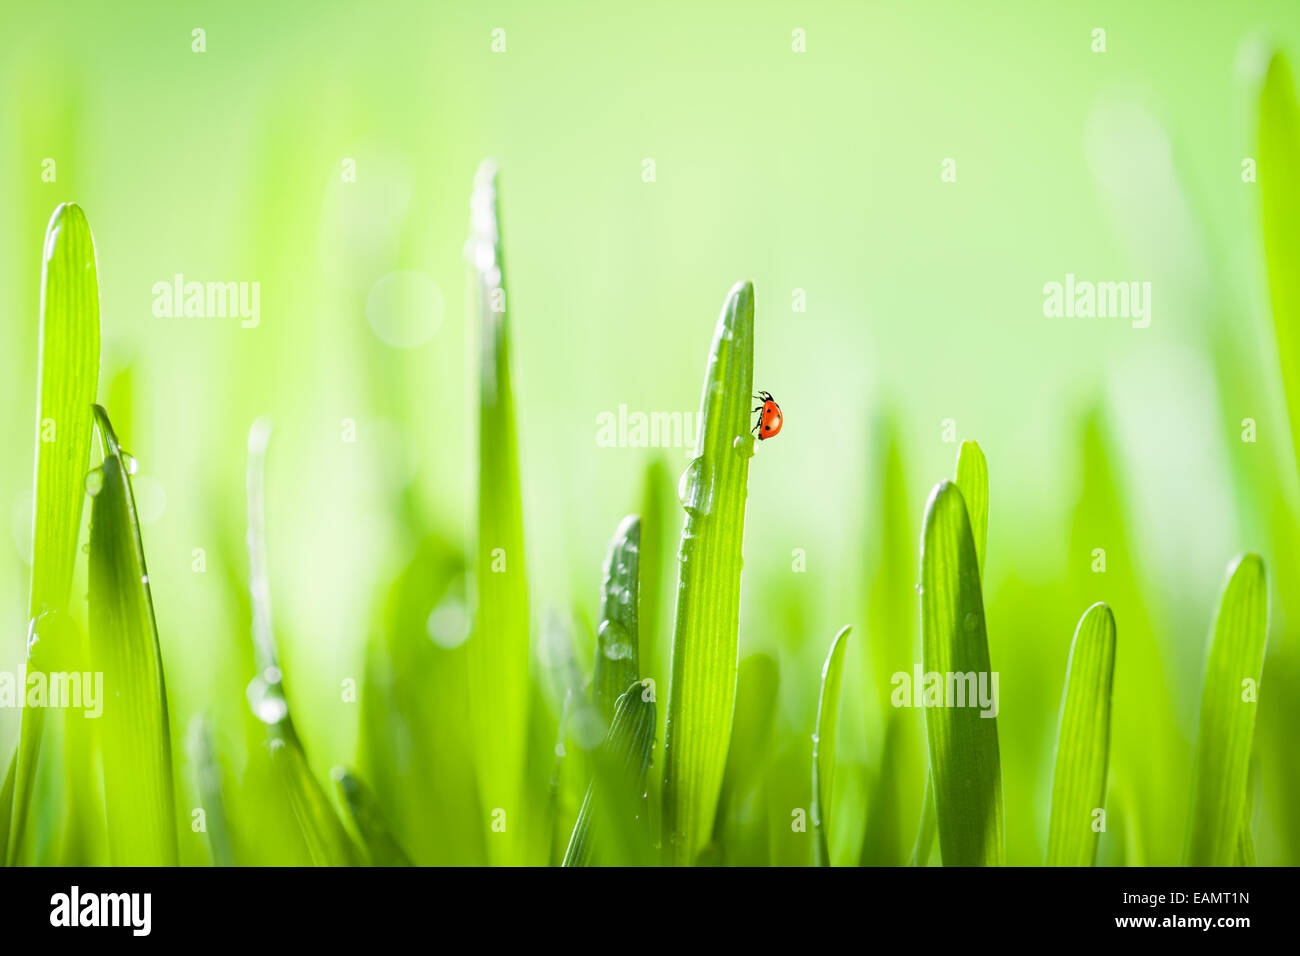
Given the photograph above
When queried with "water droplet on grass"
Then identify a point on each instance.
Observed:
(695, 487)
(266, 697)
(94, 481)
(614, 641)
(744, 446)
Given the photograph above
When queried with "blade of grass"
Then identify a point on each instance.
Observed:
(926, 830)
(368, 819)
(606, 831)
(972, 480)
(207, 772)
(68, 376)
(823, 763)
(743, 837)
(134, 734)
(498, 646)
(616, 664)
(963, 740)
(1227, 725)
(1083, 742)
(327, 841)
(1279, 186)
(890, 612)
(713, 490)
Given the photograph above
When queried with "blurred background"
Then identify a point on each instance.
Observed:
(650, 157)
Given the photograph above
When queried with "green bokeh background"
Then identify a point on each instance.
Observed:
(816, 171)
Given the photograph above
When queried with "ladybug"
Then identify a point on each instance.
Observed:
(769, 423)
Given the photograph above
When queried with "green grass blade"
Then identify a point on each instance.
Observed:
(897, 742)
(68, 377)
(616, 661)
(1227, 725)
(739, 831)
(705, 635)
(607, 831)
(963, 740)
(324, 835)
(972, 479)
(1083, 742)
(368, 819)
(655, 544)
(823, 765)
(498, 647)
(134, 733)
(926, 830)
(7, 799)
(207, 772)
(1279, 186)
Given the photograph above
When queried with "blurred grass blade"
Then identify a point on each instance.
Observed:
(498, 646)
(890, 645)
(207, 771)
(926, 830)
(368, 818)
(134, 733)
(7, 799)
(758, 683)
(1279, 186)
(1227, 725)
(607, 831)
(963, 735)
(1083, 742)
(705, 635)
(616, 663)
(972, 479)
(823, 766)
(68, 376)
(323, 833)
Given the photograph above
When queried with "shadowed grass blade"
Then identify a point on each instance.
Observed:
(134, 734)
(607, 831)
(1279, 186)
(1227, 725)
(823, 766)
(368, 819)
(323, 833)
(962, 731)
(705, 636)
(1083, 742)
(68, 376)
(616, 662)
(498, 646)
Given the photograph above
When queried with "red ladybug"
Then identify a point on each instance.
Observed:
(769, 423)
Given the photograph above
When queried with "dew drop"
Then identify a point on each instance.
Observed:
(94, 481)
(614, 641)
(129, 463)
(744, 446)
(695, 488)
(266, 697)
